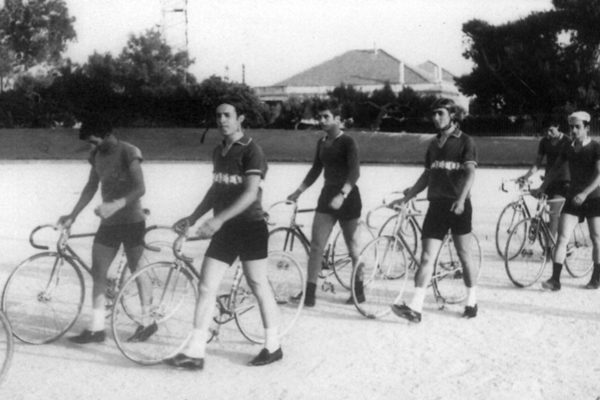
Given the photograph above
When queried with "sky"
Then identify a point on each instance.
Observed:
(275, 39)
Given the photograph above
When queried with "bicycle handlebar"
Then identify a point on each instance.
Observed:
(524, 185)
(35, 230)
(178, 244)
(152, 228)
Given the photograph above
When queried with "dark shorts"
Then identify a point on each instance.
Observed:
(247, 240)
(560, 188)
(439, 219)
(351, 208)
(589, 209)
(131, 235)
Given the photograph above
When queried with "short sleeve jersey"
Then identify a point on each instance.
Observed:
(582, 167)
(244, 158)
(446, 163)
(112, 168)
(552, 151)
(339, 160)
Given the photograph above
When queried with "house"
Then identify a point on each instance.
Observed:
(365, 70)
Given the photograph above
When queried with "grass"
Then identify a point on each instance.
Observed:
(278, 145)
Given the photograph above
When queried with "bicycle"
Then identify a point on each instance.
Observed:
(173, 301)
(512, 213)
(6, 346)
(530, 247)
(44, 295)
(385, 263)
(336, 257)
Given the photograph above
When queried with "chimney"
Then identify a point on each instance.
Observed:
(401, 73)
(438, 74)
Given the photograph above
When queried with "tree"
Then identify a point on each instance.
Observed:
(536, 64)
(147, 63)
(36, 31)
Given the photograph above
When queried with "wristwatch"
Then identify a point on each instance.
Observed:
(344, 195)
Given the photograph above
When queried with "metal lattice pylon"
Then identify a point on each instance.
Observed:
(174, 26)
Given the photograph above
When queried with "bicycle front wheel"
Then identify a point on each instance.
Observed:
(341, 260)
(579, 252)
(163, 293)
(448, 274)
(508, 218)
(6, 346)
(383, 269)
(289, 241)
(43, 297)
(527, 252)
(286, 281)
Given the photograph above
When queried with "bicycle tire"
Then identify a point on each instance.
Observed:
(7, 346)
(288, 240)
(341, 263)
(43, 297)
(447, 279)
(173, 301)
(164, 251)
(509, 216)
(286, 280)
(409, 229)
(579, 252)
(526, 253)
(382, 267)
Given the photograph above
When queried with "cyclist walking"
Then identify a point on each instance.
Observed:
(116, 169)
(450, 163)
(337, 155)
(237, 229)
(583, 198)
(550, 147)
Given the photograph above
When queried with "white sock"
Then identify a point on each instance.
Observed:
(98, 317)
(471, 297)
(418, 299)
(272, 339)
(196, 346)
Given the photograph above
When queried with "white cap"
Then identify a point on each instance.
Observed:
(579, 116)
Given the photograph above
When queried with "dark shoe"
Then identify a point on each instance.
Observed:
(88, 336)
(470, 312)
(404, 311)
(180, 360)
(360, 298)
(551, 285)
(264, 357)
(143, 333)
(593, 284)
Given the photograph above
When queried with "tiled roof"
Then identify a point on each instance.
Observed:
(358, 67)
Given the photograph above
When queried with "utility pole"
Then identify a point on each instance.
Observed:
(174, 25)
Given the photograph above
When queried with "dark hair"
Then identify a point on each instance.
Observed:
(331, 106)
(95, 124)
(236, 102)
(552, 120)
(457, 111)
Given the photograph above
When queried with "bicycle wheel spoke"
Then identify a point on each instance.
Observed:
(163, 294)
(43, 297)
(579, 252)
(382, 267)
(526, 253)
(286, 281)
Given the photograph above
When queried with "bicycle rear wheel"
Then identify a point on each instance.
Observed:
(43, 297)
(286, 280)
(170, 305)
(527, 252)
(6, 346)
(508, 218)
(447, 280)
(382, 267)
(341, 261)
(579, 252)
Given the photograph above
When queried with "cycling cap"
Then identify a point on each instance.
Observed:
(580, 116)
